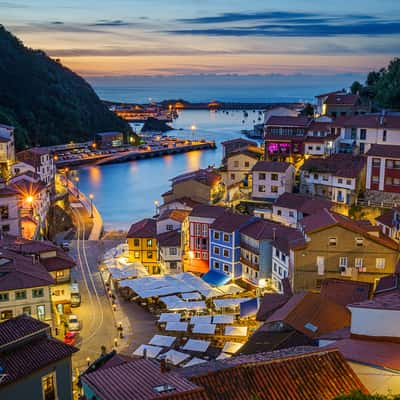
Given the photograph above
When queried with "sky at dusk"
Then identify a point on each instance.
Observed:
(167, 37)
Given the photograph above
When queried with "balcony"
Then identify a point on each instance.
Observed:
(250, 264)
(252, 249)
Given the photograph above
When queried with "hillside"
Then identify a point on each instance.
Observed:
(46, 102)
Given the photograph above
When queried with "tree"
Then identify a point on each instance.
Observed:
(308, 110)
(357, 395)
(356, 87)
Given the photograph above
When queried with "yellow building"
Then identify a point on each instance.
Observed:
(142, 244)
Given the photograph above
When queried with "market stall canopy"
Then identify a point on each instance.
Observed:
(232, 347)
(151, 351)
(223, 319)
(162, 340)
(176, 326)
(249, 308)
(200, 346)
(200, 319)
(191, 296)
(233, 302)
(168, 317)
(205, 329)
(231, 288)
(216, 278)
(194, 361)
(175, 357)
(236, 331)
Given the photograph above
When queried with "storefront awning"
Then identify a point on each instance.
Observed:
(216, 278)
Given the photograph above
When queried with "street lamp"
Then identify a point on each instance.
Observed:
(91, 204)
(156, 204)
(77, 185)
(193, 128)
(29, 199)
(66, 176)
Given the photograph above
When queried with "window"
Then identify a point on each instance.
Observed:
(170, 227)
(197, 255)
(226, 253)
(348, 182)
(363, 134)
(60, 274)
(358, 262)
(136, 242)
(226, 268)
(318, 148)
(246, 164)
(256, 274)
(261, 188)
(20, 295)
(274, 189)
(26, 310)
(216, 250)
(49, 387)
(233, 177)
(204, 230)
(280, 271)
(376, 162)
(37, 292)
(396, 164)
(291, 214)
(204, 255)
(340, 180)
(41, 312)
(277, 253)
(275, 267)
(316, 176)
(236, 164)
(375, 179)
(380, 263)
(4, 297)
(274, 177)
(396, 181)
(6, 314)
(279, 212)
(359, 241)
(283, 257)
(4, 212)
(261, 176)
(226, 237)
(216, 235)
(173, 251)
(149, 242)
(137, 254)
(216, 265)
(149, 254)
(332, 241)
(197, 229)
(343, 262)
(384, 136)
(321, 265)
(173, 265)
(310, 147)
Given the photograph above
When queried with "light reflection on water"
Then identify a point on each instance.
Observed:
(126, 192)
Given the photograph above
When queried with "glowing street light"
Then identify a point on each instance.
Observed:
(77, 186)
(29, 199)
(91, 197)
(193, 128)
(156, 204)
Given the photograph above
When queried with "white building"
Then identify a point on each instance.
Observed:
(171, 220)
(9, 211)
(169, 252)
(270, 179)
(7, 149)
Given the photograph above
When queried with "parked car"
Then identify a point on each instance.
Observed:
(71, 338)
(73, 323)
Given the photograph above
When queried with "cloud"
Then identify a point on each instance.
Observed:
(106, 22)
(8, 4)
(57, 23)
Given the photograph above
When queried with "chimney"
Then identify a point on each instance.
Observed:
(145, 354)
(382, 118)
(163, 366)
(273, 233)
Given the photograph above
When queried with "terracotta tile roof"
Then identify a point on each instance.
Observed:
(327, 94)
(345, 291)
(289, 239)
(388, 121)
(375, 353)
(262, 229)
(30, 357)
(239, 140)
(252, 152)
(341, 165)
(145, 228)
(137, 380)
(339, 99)
(59, 262)
(19, 327)
(26, 187)
(298, 122)
(176, 215)
(209, 177)
(387, 284)
(386, 219)
(21, 245)
(325, 219)
(312, 315)
(20, 272)
(343, 333)
(384, 150)
(207, 211)
(319, 375)
(271, 166)
(230, 222)
(168, 239)
(186, 201)
(389, 301)
(303, 203)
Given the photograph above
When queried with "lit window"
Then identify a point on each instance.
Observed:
(137, 254)
(332, 241)
(4, 297)
(274, 189)
(359, 241)
(37, 293)
(226, 253)
(380, 263)
(20, 295)
(343, 262)
(216, 235)
(149, 242)
(49, 387)
(358, 263)
(226, 237)
(321, 265)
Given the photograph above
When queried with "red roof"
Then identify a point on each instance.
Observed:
(209, 177)
(261, 229)
(168, 239)
(239, 141)
(137, 380)
(388, 121)
(300, 202)
(389, 301)
(387, 284)
(319, 375)
(146, 228)
(312, 315)
(370, 352)
(207, 211)
(298, 122)
(384, 150)
(176, 215)
(271, 166)
(338, 99)
(185, 201)
(345, 291)
(230, 222)
(386, 219)
(59, 262)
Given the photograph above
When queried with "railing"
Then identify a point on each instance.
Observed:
(379, 204)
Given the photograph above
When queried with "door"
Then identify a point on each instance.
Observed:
(41, 312)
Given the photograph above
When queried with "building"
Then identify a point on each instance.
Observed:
(321, 99)
(321, 140)
(235, 145)
(171, 220)
(25, 287)
(57, 263)
(34, 365)
(7, 150)
(107, 140)
(203, 185)
(338, 247)
(10, 222)
(290, 208)
(383, 172)
(270, 179)
(181, 203)
(365, 130)
(42, 161)
(142, 244)
(339, 178)
(225, 244)
(279, 112)
(237, 166)
(341, 103)
(169, 252)
(389, 223)
(196, 239)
